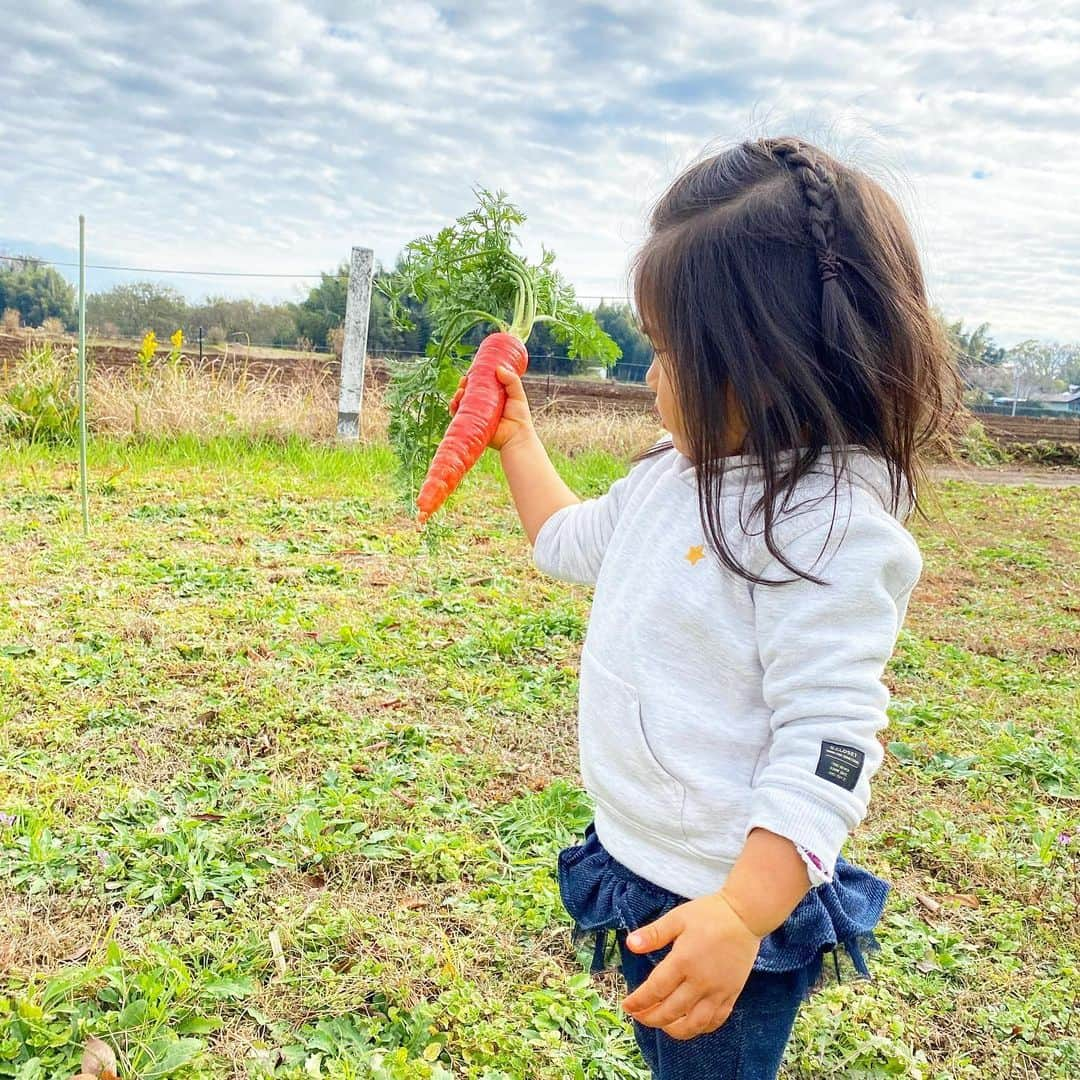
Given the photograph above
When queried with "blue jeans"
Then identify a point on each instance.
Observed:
(749, 1046)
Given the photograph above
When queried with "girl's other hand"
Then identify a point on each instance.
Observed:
(516, 422)
(694, 988)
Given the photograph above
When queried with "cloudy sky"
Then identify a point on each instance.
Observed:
(268, 136)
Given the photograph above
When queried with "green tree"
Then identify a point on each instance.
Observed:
(972, 348)
(619, 322)
(384, 337)
(324, 307)
(137, 307)
(37, 292)
(263, 324)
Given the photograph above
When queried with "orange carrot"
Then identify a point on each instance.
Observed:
(475, 422)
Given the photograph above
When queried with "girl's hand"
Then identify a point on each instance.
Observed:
(516, 422)
(693, 989)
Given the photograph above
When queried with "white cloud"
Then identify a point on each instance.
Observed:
(270, 136)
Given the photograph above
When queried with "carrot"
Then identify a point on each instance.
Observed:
(464, 277)
(475, 422)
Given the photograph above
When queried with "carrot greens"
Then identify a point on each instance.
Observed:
(472, 282)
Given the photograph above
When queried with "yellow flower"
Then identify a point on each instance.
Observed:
(148, 348)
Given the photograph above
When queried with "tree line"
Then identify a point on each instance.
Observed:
(32, 292)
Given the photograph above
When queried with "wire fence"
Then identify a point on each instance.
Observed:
(542, 361)
(622, 298)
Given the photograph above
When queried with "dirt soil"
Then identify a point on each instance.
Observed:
(1009, 474)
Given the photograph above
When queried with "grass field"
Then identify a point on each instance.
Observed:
(281, 787)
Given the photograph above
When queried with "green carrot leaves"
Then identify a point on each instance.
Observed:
(470, 279)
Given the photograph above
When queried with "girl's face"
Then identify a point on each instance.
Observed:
(657, 381)
(668, 408)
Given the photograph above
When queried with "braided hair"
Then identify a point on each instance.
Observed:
(819, 190)
(775, 275)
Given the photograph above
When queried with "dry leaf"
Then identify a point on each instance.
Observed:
(964, 899)
(98, 1059)
(928, 902)
(80, 953)
(275, 948)
(413, 904)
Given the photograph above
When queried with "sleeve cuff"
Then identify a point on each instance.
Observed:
(816, 870)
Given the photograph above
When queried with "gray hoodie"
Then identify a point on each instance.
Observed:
(710, 706)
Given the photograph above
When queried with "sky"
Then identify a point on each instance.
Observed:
(270, 136)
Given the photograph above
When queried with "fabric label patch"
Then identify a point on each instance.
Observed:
(840, 765)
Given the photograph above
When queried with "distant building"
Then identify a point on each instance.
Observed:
(1067, 402)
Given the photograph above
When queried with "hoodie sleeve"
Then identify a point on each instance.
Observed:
(571, 543)
(823, 651)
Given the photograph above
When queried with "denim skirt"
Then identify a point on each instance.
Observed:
(604, 898)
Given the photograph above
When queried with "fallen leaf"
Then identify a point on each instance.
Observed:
(964, 899)
(98, 1059)
(413, 904)
(391, 703)
(80, 953)
(381, 745)
(208, 817)
(928, 902)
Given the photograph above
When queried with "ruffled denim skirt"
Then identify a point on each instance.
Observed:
(605, 898)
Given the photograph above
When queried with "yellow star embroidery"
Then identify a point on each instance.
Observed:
(695, 555)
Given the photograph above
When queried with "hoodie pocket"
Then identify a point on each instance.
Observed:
(617, 763)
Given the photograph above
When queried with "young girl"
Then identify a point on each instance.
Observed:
(751, 575)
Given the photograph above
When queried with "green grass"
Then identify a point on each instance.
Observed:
(282, 785)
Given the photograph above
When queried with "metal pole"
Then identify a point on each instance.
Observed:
(1016, 389)
(354, 346)
(200, 346)
(82, 376)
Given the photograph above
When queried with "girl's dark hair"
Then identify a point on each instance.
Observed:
(779, 275)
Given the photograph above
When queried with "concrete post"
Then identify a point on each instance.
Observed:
(354, 347)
